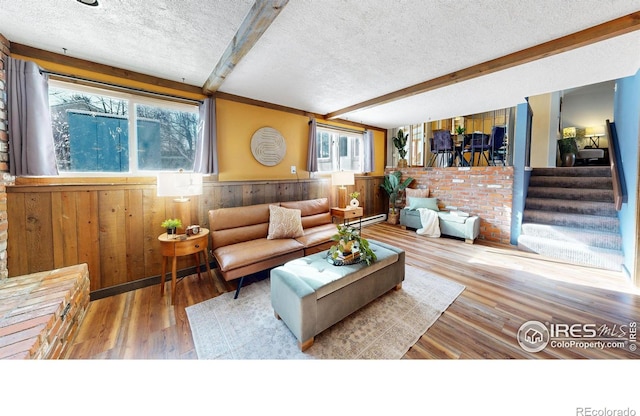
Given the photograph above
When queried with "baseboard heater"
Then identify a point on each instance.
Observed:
(368, 220)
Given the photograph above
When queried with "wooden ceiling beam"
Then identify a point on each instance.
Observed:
(604, 31)
(257, 21)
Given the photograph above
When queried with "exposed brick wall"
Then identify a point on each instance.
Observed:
(42, 312)
(483, 191)
(5, 178)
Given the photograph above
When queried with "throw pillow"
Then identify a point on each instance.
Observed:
(417, 193)
(284, 223)
(430, 203)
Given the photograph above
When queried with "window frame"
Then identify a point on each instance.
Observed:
(353, 139)
(132, 99)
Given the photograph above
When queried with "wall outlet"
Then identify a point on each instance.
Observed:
(293, 170)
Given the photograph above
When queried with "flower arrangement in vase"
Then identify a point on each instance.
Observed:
(354, 203)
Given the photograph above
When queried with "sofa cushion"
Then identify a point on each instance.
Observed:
(415, 192)
(253, 251)
(237, 224)
(430, 203)
(284, 223)
(445, 216)
(318, 235)
(326, 278)
(314, 212)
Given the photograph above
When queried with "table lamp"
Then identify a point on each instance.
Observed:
(180, 185)
(341, 179)
(594, 134)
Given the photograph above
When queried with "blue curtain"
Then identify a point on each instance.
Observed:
(369, 160)
(31, 147)
(206, 158)
(312, 150)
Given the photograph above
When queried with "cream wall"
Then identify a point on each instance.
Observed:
(236, 124)
(589, 106)
(544, 130)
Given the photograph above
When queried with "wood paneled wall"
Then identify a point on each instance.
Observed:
(113, 224)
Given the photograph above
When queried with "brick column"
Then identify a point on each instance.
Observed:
(5, 178)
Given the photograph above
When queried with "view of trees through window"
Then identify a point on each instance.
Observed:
(93, 131)
(339, 150)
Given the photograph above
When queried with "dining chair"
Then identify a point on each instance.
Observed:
(478, 143)
(433, 151)
(498, 148)
(443, 143)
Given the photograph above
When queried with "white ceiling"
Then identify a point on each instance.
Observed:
(324, 55)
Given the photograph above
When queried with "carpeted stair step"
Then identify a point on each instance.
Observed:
(590, 171)
(574, 236)
(572, 253)
(586, 222)
(569, 206)
(603, 195)
(574, 182)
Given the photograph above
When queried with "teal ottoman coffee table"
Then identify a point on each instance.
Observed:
(309, 294)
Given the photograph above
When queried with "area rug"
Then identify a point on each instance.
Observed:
(246, 328)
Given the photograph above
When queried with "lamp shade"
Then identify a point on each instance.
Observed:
(594, 131)
(342, 178)
(179, 184)
(568, 132)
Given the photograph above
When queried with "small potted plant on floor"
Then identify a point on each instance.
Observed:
(171, 225)
(393, 186)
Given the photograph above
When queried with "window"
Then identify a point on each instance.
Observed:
(339, 149)
(103, 131)
(324, 145)
(417, 145)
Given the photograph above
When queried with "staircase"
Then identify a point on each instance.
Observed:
(570, 215)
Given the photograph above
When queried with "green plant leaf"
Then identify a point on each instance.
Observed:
(393, 186)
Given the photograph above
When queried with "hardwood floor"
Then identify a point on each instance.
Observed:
(504, 288)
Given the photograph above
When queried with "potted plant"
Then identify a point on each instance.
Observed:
(354, 203)
(460, 133)
(393, 186)
(400, 141)
(568, 151)
(351, 247)
(171, 225)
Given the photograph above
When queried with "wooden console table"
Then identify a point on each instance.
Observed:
(182, 245)
(348, 214)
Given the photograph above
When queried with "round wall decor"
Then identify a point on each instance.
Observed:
(268, 146)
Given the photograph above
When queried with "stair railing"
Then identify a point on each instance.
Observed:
(613, 162)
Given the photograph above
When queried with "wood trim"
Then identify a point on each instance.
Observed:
(257, 21)
(43, 181)
(105, 70)
(613, 162)
(604, 31)
(277, 107)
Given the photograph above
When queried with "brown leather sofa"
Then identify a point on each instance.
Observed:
(239, 237)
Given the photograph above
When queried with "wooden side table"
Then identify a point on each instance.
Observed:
(182, 245)
(347, 214)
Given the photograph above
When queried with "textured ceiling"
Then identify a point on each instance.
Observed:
(322, 56)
